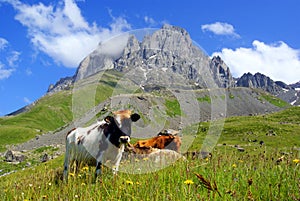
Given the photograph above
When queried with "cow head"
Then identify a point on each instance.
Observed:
(124, 118)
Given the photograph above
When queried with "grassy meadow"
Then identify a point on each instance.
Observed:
(270, 171)
(228, 175)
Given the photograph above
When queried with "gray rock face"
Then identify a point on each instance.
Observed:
(295, 85)
(221, 73)
(63, 84)
(259, 81)
(166, 56)
(278, 88)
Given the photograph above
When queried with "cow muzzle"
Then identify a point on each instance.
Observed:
(124, 139)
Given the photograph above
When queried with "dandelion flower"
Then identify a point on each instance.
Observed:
(86, 168)
(145, 159)
(234, 165)
(44, 196)
(129, 182)
(138, 183)
(71, 174)
(296, 161)
(136, 160)
(83, 184)
(188, 182)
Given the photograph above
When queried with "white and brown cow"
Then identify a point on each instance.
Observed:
(99, 142)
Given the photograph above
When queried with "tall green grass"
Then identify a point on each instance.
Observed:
(228, 175)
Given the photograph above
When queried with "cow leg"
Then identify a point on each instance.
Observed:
(98, 168)
(98, 164)
(66, 166)
(118, 159)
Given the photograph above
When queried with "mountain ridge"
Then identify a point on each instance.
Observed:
(171, 49)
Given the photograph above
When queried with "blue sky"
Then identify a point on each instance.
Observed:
(42, 41)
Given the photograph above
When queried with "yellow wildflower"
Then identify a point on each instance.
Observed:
(129, 182)
(234, 165)
(296, 161)
(86, 168)
(71, 174)
(188, 182)
(145, 159)
(83, 184)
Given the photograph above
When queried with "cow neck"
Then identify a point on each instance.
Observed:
(113, 133)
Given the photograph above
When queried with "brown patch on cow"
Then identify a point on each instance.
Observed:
(123, 114)
(80, 139)
(161, 142)
(89, 131)
(139, 150)
(69, 132)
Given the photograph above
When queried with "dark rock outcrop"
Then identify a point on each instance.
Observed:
(260, 81)
(221, 73)
(276, 88)
(63, 84)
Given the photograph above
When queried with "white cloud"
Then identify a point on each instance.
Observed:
(150, 21)
(115, 46)
(3, 43)
(13, 58)
(62, 32)
(278, 61)
(7, 57)
(28, 71)
(220, 28)
(4, 72)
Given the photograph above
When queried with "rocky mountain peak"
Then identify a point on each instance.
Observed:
(168, 52)
(277, 88)
(259, 80)
(221, 72)
(295, 85)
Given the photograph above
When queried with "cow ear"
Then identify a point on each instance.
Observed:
(134, 117)
(108, 119)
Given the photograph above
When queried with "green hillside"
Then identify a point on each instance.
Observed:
(50, 112)
(254, 174)
(54, 110)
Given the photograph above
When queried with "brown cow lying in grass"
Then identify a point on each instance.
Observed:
(161, 141)
(164, 145)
